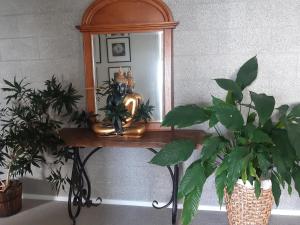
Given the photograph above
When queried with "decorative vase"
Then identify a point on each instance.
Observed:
(11, 199)
(243, 208)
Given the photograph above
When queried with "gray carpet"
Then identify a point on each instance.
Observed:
(55, 213)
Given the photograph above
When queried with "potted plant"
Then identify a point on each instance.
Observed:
(28, 130)
(254, 159)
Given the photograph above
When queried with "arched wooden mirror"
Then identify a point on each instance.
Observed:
(131, 34)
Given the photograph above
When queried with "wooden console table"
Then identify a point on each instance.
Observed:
(78, 138)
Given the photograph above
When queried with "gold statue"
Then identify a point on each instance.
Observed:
(122, 90)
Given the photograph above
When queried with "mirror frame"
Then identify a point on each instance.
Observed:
(120, 16)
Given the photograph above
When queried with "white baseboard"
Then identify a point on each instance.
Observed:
(282, 212)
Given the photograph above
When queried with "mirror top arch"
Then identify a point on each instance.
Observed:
(109, 16)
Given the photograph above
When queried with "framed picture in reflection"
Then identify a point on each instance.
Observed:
(118, 49)
(112, 71)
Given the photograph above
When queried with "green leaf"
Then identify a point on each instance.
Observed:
(280, 165)
(190, 205)
(251, 118)
(263, 162)
(290, 190)
(174, 153)
(211, 147)
(295, 112)
(247, 73)
(185, 116)
(213, 120)
(294, 134)
(264, 106)
(229, 98)
(282, 110)
(193, 177)
(252, 170)
(236, 161)
(242, 141)
(258, 136)
(283, 144)
(228, 115)
(230, 85)
(220, 182)
(268, 126)
(257, 186)
(296, 177)
(217, 102)
(276, 190)
(223, 167)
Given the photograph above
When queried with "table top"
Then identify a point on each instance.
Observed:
(84, 137)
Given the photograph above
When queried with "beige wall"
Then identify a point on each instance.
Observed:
(38, 39)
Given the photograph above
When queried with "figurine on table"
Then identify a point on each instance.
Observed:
(123, 108)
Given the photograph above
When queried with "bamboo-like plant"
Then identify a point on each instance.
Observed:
(29, 127)
(255, 147)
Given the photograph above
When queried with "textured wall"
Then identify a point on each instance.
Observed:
(38, 39)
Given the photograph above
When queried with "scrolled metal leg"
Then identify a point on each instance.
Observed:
(174, 195)
(74, 191)
(79, 196)
(173, 200)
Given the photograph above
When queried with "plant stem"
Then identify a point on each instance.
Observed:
(8, 177)
(248, 105)
(249, 109)
(218, 132)
(219, 157)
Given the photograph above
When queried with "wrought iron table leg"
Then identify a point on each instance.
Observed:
(175, 177)
(174, 197)
(79, 196)
(74, 186)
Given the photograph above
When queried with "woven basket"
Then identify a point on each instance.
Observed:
(243, 208)
(11, 200)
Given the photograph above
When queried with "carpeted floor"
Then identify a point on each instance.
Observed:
(55, 213)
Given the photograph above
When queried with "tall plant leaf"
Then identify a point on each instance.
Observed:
(190, 205)
(174, 153)
(185, 116)
(220, 182)
(229, 116)
(294, 134)
(280, 165)
(264, 106)
(258, 136)
(257, 186)
(276, 190)
(211, 146)
(283, 144)
(236, 161)
(295, 112)
(296, 177)
(247, 73)
(194, 177)
(282, 110)
(230, 85)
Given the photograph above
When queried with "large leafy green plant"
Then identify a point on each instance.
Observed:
(255, 146)
(29, 125)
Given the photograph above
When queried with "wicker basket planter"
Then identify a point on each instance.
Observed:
(11, 199)
(243, 208)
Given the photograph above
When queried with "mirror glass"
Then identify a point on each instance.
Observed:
(140, 53)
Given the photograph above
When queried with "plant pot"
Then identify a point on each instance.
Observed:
(11, 199)
(243, 208)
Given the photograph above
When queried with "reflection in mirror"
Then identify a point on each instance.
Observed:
(140, 53)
